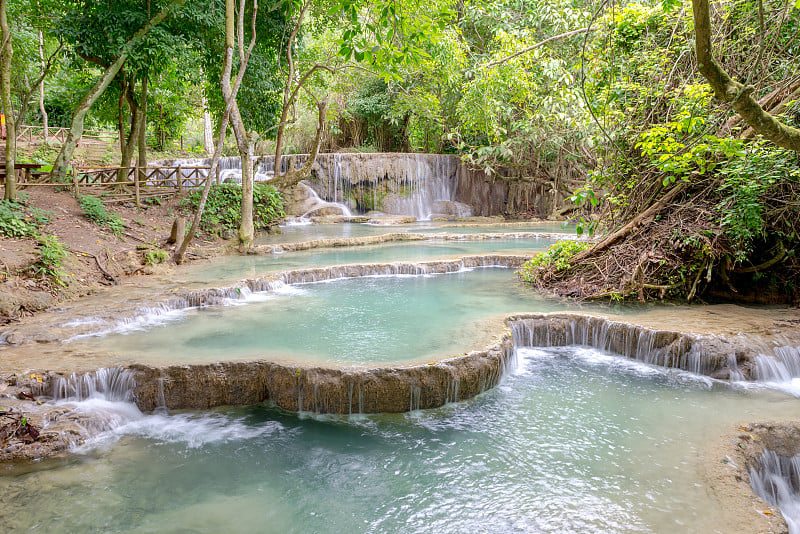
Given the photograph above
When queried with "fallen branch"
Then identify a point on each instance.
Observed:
(107, 274)
(622, 232)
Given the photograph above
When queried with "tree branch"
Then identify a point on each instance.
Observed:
(738, 95)
(537, 45)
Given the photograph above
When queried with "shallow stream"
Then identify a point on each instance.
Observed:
(574, 440)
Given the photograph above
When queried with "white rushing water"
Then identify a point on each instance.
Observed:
(778, 367)
(573, 440)
(776, 479)
(415, 182)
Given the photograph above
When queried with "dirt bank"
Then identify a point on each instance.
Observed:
(96, 256)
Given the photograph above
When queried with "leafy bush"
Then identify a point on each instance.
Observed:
(154, 256)
(557, 256)
(760, 182)
(94, 210)
(18, 221)
(224, 207)
(49, 264)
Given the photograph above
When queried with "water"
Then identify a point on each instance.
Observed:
(237, 267)
(776, 479)
(575, 440)
(308, 232)
(364, 320)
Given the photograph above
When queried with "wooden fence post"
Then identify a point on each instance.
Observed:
(136, 187)
(179, 177)
(75, 181)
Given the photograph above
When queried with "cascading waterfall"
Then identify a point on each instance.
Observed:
(781, 367)
(103, 399)
(111, 384)
(776, 479)
(397, 184)
(666, 349)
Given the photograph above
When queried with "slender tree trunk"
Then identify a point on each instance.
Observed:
(227, 65)
(246, 228)
(76, 129)
(121, 114)
(5, 96)
(143, 133)
(133, 136)
(230, 102)
(208, 135)
(41, 89)
(287, 93)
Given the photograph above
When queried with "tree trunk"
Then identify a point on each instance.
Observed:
(5, 96)
(133, 136)
(246, 230)
(292, 176)
(76, 128)
(738, 95)
(121, 114)
(43, 111)
(143, 133)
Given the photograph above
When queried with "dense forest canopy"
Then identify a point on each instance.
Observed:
(672, 118)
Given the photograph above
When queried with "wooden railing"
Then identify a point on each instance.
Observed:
(115, 183)
(178, 177)
(146, 181)
(35, 134)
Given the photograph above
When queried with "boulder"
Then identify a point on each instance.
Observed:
(452, 208)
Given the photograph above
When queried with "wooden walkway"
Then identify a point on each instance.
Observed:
(119, 184)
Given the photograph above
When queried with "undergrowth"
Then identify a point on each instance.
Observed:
(94, 210)
(224, 207)
(52, 253)
(557, 258)
(18, 220)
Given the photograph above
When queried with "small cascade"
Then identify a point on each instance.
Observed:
(782, 366)
(735, 373)
(414, 395)
(314, 204)
(100, 401)
(776, 479)
(662, 348)
(111, 384)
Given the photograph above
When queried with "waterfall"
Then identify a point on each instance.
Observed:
(779, 367)
(654, 347)
(414, 185)
(776, 479)
(99, 401)
(114, 384)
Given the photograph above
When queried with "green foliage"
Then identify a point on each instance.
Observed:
(749, 181)
(52, 253)
(94, 210)
(17, 220)
(557, 258)
(154, 256)
(224, 207)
